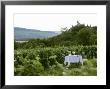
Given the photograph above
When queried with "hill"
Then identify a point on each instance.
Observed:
(76, 35)
(26, 34)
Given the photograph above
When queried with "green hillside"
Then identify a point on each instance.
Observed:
(76, 35)
(24, 34)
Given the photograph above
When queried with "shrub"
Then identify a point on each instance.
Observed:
(39, 60)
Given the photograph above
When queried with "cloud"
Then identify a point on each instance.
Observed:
(53, 22)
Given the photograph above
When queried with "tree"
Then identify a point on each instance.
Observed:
(84, 37)
(64, 29)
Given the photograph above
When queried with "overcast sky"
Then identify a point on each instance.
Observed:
(53, 22)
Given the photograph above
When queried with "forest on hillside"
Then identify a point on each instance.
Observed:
(45, 57)
(76, 35)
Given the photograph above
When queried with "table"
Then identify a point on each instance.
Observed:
(73, 59)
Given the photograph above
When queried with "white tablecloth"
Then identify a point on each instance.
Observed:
(73, 59)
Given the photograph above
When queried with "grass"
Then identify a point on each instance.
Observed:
(35, 68)
(88, 69)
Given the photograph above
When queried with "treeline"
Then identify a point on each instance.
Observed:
(76, 35)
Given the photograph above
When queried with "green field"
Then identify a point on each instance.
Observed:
(50, 61)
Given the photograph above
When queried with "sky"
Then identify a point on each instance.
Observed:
(53, 22)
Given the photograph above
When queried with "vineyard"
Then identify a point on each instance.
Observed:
(45, 56)
(49, 61)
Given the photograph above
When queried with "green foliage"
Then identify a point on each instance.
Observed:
(29, 67)
(84, 36)
(45, 57)
(88, 69)
(75, 35)
(50, 61)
